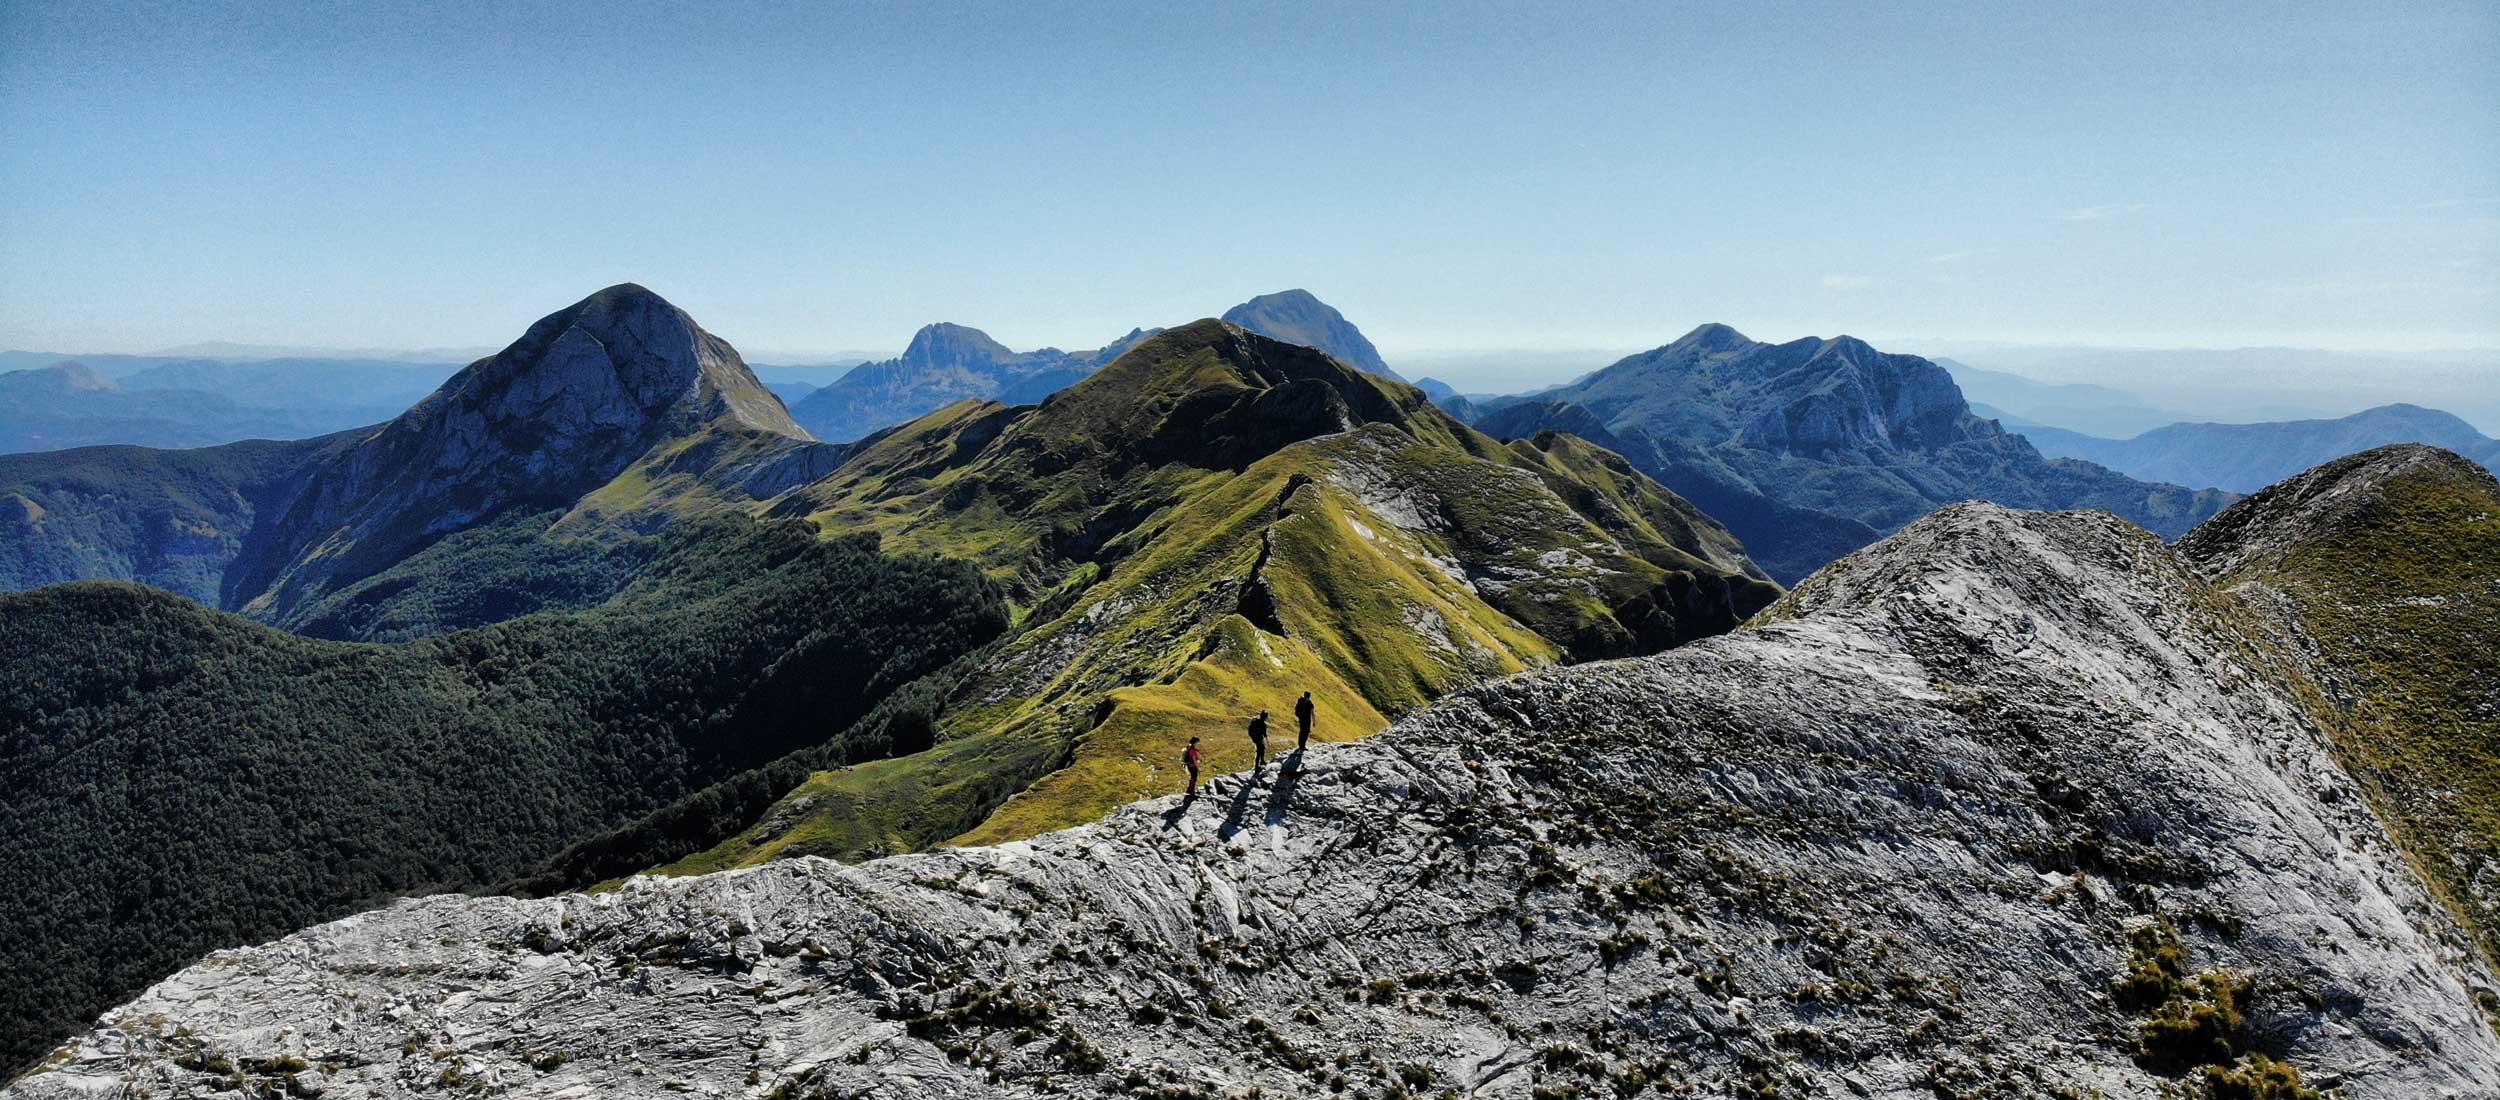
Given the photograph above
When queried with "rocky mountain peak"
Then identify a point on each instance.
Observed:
(950, 345)
(1847, 349)
(1710, 339)
(587, 391)
(64, 377)
(622, 359)
(1299, 317)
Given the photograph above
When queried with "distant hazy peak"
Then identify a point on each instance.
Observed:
(61, 377)
(1848, 348)
(949, 344)
(1299, 317)
(1711, 339)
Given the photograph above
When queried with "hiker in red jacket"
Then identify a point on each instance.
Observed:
(1189, 756)
(1258, 740)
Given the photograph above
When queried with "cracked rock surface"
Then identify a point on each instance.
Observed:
(1902, 839)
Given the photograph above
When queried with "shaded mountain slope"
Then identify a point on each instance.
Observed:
(1207, 527)
(173, 519)
(2385, 566)
(1299, 317)
(2246, 457)
(2010, 804)
(945, 363)
(1809, 449)
(616, 415)
(174, 779)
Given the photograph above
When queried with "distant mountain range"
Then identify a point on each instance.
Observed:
(2087, 408)
(2245, 457)
(2246, 385)
(945, 363)
(160, 402)
(948, 362)
(1810, 449)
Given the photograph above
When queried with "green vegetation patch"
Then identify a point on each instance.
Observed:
(2401, 593)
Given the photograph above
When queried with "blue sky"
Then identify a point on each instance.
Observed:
(1456, 177)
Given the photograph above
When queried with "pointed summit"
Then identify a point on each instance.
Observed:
(1711, 339)
(622, 359)
(951, 345)
(586, 393)
(945, 363)
(1299, 317)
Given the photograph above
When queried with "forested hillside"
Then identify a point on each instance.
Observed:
(175, 779)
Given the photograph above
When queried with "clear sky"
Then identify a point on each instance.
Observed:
(814, 177)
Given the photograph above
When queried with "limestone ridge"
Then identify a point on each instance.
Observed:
(1812, 448)
(1911, 834)
(1298, 317)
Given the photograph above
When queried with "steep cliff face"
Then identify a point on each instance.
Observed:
(2008, 804)
(1815, 447)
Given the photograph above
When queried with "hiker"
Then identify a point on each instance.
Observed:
(1258, 740)
(1302, 714)
(1189, 756)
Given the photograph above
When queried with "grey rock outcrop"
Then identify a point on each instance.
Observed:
(1902, 839)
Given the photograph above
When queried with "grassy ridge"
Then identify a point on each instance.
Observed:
(1207, 527)
(2396, 580)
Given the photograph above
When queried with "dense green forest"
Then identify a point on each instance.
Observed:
(175, 779)
(502, 569)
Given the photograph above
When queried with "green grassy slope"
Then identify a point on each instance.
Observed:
(174, 779)
(2388, 563)
(1207, 527)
